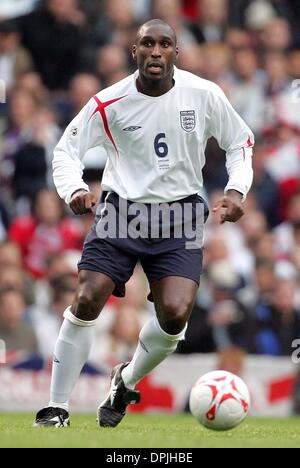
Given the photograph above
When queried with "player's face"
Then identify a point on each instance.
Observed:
(156, 53)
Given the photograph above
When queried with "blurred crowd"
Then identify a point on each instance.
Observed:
(54, 56)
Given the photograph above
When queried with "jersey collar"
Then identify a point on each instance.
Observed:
(135, 77)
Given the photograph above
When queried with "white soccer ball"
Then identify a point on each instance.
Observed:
(220, 401)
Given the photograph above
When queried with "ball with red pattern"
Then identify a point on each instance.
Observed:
(220, 400)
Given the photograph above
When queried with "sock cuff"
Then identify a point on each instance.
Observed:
(76, 321)
(179, 337)
(64, 406)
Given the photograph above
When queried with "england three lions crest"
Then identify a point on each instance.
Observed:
(188, 120)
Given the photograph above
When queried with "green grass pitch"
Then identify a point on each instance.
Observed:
(153, 431)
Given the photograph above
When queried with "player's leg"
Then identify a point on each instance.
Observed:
(174, 298)
(74, 344)
(76, 336)
(173, 267)
(104, 268)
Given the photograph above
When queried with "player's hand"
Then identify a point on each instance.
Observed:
(231, 206)
(82, 202)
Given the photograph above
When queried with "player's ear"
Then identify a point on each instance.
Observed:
(134, 52)
(177, 52)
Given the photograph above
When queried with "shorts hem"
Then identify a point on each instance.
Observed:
(150, 295)
(118, 290)
(176, 276)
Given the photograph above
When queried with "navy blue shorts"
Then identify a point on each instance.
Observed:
(161, 256)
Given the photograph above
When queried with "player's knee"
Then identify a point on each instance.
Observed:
(175, 314)
(94, 289)
(86, 306)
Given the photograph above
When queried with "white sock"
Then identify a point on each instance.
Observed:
(153, 348)
(70, 355)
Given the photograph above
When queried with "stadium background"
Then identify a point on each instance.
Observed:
(55, 55)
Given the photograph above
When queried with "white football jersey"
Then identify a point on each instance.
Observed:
(155, 145)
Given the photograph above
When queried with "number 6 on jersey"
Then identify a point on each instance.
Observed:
(160, 147)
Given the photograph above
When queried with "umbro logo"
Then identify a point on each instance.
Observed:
(131, 129)
(143, 346)
(114, 390)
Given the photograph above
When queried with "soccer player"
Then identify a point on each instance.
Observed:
(154, 126)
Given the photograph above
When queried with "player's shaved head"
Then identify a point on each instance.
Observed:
(155, 52)
(156, 23)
